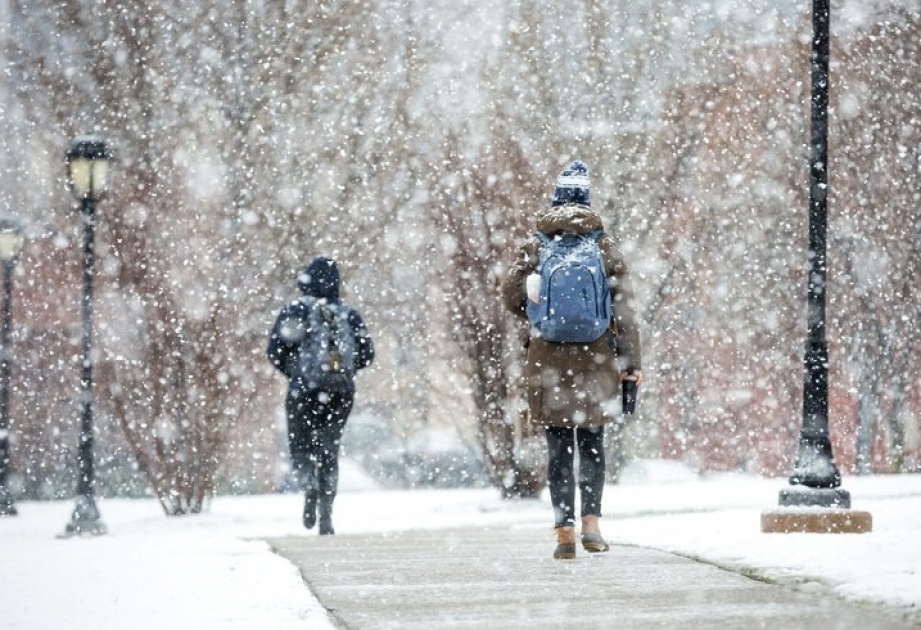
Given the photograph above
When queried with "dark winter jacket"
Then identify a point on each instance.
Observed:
(319, 280)
(575, 385)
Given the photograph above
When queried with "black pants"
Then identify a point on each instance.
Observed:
(315, 423)
(560, 472)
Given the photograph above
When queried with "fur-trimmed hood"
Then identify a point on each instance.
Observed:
(569, 218)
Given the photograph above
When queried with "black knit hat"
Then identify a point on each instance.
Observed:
(320, 279)
(572, 186)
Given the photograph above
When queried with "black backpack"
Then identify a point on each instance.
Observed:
(326, 358)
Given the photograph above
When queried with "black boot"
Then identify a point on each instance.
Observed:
(326, 516)
(310, 508)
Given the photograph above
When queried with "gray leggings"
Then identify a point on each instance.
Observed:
(561, 444)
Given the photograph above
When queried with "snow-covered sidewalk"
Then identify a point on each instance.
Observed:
(215, 571)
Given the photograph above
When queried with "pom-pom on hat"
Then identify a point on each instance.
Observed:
(572, 186)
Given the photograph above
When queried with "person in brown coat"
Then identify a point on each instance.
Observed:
(573, 388)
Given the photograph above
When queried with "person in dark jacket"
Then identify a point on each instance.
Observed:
(316, 417)
(572, 387)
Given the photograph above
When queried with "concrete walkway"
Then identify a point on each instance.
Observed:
(505, 578)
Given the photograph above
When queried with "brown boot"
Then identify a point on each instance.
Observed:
(565, 543)
(592, 540)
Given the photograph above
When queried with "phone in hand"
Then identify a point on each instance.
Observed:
(628, 396)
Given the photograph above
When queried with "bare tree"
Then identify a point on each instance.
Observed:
(481, 211)
(166, 371)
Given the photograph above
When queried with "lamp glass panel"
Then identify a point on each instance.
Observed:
(81, 175)
(10, 244)
(100, 174)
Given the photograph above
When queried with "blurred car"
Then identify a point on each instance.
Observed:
(363, 435)
(439, 458)
(436, 458)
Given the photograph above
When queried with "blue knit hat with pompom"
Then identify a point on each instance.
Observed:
(572, 186)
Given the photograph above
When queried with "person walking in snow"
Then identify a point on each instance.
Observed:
(572, 387)
(319, 344)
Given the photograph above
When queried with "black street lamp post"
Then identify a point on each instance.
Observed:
(815, 480)
(87, 169)
(10, 246)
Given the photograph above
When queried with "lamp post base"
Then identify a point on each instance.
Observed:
(817, 511)
(804, 496)
(798, 520)
(85, 520)
(7, 508)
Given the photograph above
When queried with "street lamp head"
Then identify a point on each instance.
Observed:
(10, 239)
(88, 167)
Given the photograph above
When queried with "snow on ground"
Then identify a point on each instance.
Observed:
(213, 571)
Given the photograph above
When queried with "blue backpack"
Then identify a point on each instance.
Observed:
(327, 350)
(575, 298)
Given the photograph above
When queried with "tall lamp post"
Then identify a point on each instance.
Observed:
(814, 502)
(10, 246)
(815, 465)
(87, 173)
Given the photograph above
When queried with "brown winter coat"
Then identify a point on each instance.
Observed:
(574, 385)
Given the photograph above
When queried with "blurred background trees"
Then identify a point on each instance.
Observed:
(414, 142)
